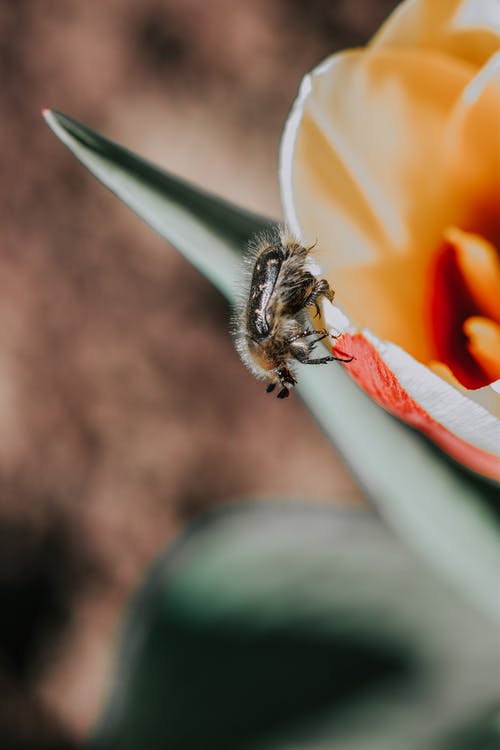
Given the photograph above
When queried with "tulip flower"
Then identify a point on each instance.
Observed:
(390, 162)
(391, 168)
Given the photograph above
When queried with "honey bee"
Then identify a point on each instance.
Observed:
(270, 322)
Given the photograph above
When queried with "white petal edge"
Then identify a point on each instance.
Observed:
(286, 161)
(478, 14)
(336, 321)
(444, 403)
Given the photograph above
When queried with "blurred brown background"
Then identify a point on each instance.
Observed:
(116, 426)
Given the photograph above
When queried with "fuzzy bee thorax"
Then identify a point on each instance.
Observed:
(271, 325)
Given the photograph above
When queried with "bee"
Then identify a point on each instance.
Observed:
(271, 326)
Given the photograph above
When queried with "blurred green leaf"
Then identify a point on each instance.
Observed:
(271, 628)
(450, 516)
(481, 734)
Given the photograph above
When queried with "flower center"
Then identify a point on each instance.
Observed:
(464, 308)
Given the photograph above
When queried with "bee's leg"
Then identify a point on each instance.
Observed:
(313, 302)
(323, 360)
(286, 378)
(321, 289)
(323, 335)
(284, 393)
(302, 335)
(270, 388)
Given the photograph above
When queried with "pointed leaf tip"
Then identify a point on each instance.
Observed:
(208, 230)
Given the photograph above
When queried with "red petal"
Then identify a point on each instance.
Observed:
(450, 305)
(375, 377)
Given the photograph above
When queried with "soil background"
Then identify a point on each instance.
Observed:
(124, 410)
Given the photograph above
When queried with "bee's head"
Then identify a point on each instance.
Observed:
(285, 378)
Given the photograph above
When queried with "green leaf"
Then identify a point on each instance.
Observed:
(270, 628)
(204, 228)
(481, 734)
(448, 515)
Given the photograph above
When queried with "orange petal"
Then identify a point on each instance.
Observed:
(410, 391)
(484, 344)
(466, 29)
(479, 264)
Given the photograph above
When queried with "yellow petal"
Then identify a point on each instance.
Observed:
(484, 344)
(362, 174)
(471, 145)
(479, 264)
(466, 29)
